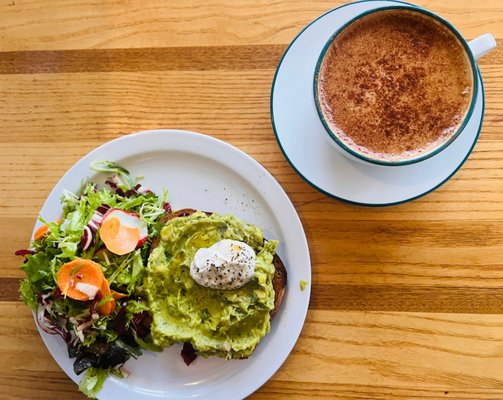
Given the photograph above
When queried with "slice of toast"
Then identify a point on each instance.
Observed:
(279, 281)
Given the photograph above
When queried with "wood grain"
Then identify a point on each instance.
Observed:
(45, 25)
(9, 289)
(407, 301)
(379, 355)
(144, 59)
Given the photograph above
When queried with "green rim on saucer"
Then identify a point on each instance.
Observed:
(348, 200)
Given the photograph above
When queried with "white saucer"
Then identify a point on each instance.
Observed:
(303, 139)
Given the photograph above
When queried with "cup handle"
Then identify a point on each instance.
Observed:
(482, 45)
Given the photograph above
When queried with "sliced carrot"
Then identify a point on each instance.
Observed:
(109, 306)
(118, 295)
(41, 232)
(79, 270)
(119, 238)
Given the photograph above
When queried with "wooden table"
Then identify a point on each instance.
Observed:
(407, 301)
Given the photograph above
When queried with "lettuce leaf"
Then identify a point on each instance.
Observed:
(28, 296)
(39, 278)
(93, 381)
(110, 166)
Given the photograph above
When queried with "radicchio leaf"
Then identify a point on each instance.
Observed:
(188, 353)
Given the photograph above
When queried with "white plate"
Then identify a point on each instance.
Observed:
(305, 144)
(204, 173)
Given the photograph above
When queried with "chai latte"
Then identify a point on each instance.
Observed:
(395, 84)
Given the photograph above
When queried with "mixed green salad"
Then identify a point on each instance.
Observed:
(84, 273)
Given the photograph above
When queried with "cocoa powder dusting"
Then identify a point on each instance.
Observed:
(395, 84)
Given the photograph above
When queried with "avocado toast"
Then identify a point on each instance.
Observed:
(225, 323)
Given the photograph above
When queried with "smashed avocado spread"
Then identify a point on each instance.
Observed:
(226, 323)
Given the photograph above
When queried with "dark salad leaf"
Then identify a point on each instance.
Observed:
(188, 353)
(102, 354)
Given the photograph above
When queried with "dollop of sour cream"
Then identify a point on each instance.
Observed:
(228, 264)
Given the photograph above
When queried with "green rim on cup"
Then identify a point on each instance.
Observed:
(473, 65)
